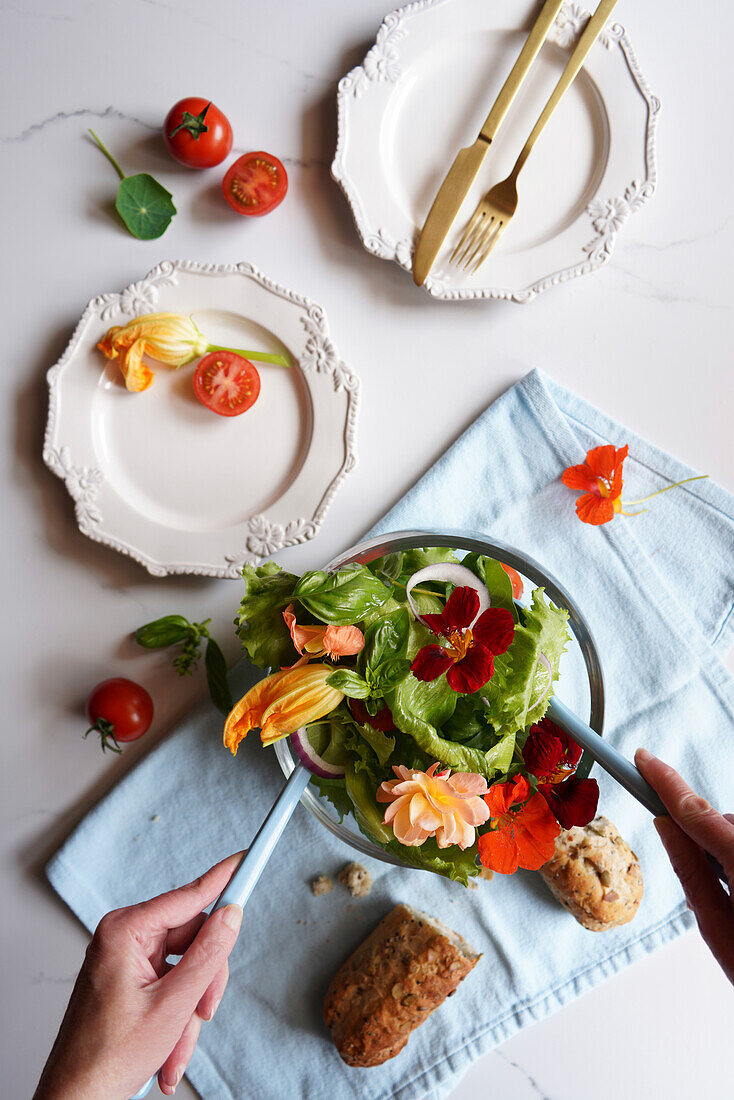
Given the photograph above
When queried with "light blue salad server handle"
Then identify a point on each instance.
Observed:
(241, 885)
(618, 766)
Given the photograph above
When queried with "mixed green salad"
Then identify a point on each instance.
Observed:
(431, 678)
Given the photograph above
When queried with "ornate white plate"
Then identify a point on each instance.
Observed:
(424, 90)
(159, 477)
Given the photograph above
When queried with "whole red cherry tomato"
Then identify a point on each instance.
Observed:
(119, 710)
(255, 184)
(196, 133)
(383, 720)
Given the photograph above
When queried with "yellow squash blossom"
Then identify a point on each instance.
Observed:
(282, 703)
(169, 338)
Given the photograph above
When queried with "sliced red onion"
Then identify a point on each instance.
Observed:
(311, 760)
(546, 664)
(458, 575)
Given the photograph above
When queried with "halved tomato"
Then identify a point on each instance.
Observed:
(515, 578)
(226, 383)
(255, 184)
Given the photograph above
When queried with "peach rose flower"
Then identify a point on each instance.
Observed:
(424, 804)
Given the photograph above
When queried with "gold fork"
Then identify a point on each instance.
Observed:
(495, 211)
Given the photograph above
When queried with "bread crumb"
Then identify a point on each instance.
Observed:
(321, 885)
(485, 873)
(472, 885)
(357, 879)
(156, 817)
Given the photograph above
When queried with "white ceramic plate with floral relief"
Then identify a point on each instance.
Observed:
(424, 90)
(156, 475)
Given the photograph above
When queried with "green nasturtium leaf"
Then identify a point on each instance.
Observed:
(145, 206)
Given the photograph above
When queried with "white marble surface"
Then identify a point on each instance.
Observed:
(647, 338)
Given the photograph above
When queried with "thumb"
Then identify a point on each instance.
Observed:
(186, 983)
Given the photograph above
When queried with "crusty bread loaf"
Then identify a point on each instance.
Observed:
(595, 875)
(403, 971)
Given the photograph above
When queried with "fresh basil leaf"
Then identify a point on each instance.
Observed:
(216, 677)
(163, 632)
(349, 683)
(370, 705)
(145, 206)
(259, 623)
(493, 576)
(386, 638)
(343, 597)
(388, 568)
(389, 674)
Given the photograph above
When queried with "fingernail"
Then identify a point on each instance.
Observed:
(210, 1017)
(232, 917)
(643, 755)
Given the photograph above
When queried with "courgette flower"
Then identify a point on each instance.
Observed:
(282, 703)
(169, 338)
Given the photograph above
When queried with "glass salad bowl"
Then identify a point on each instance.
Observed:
(580, 684)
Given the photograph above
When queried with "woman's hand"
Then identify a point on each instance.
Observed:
(132, 1013)
(692, 829)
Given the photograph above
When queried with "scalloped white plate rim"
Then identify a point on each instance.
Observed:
(381, 65)
(326, 378)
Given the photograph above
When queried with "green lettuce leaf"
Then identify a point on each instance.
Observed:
(520, 689)
(259, 623)
(368, 812)
(335, 791)
(498, 584)
(343, 597)
(450, 862)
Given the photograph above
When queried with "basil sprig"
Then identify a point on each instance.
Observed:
(382, 663)
(177, 630)
(343, 597)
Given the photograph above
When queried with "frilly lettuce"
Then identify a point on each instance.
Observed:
(259, 623)
(520, 690)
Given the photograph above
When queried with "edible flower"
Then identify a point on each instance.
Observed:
(425, 804)
(551, 755)
(280, 704)
(522, 830)
(468, 660)
(600, 481)
(320, 641)
(169, 338)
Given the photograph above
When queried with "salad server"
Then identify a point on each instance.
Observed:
(243, 881)
(616, 765)
(468, 161)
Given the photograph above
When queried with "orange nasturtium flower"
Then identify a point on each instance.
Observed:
(600, 481)
(320, 641)
(282, 703)
(169, 338)
(424, 804)
(522, 830)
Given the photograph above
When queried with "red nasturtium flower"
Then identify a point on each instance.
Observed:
(468, 660)
(600, 481)
(552, 756)
(522, 830)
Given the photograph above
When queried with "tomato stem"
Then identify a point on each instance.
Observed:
(109, 156)
(193, 123)
(106, 733)
(261, 356)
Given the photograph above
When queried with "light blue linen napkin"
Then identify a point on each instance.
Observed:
(657, 591)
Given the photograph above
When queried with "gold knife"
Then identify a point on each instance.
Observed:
(462, 172)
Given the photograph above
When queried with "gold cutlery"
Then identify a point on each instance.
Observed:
(468, 161)
(495, 211)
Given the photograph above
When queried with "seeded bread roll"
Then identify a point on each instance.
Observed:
(403, 971)
(595, 875)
